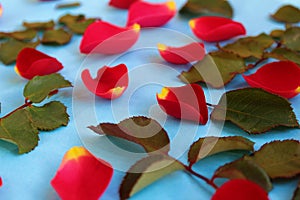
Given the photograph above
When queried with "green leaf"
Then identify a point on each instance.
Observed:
(244, 169)
(56, 37)
(18, 129)
(208, 146)
(76, 23)
(207, 7)
(287, 14)
(226, 64)
(147, 171)
(50, 116)
(284, 54)
(39, 25)
(291, 38)
(38, 88)
(255, 110)
(296, 195)
(250, 46)
(10, 49)
(68, 5)
(28, 34)
(141, 130)
(280, 159)
(277, 34)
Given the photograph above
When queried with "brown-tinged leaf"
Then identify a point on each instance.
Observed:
(76, 23)
(18, 129)
(291, 38)
(226, 64)
(28, 34)
(287, 14)
(10, 49)
(147, 171)
(250, 46)
(40, 87)
(296, 195)
(244, 169)
(141, 130)
(208, 146)
(207, 7)
(255, 110)
(280, 159)
(56, 37)
(284, 54)
(39, 25)
(68, 5)
(277, 34)
(50, 116)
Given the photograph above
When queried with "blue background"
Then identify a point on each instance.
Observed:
(28, 176)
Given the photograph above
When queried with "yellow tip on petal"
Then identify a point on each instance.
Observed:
(75, 153)
(164, 93)
(117, 91)
(161, 47)
(298, 90)
(192, 24)
(171, 5)
(17, 71)
(136, 27)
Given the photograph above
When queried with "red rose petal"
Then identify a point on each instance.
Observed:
(182, 55)
(151, 14)
(1, 183)
(123, 4)
(215, 29)
(81, 176)
(31, 62)
(240, 189)
(105, 38)
(110, 83)
(281, 78)
(186, 102)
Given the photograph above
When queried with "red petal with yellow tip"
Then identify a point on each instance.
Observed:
(123, 4)
(215, 29)
(151, 14)
(105, 38)
(238, 189)
(281, 78)
(1, 10)
(110, 83)
(186, 102)
(31, 62)
(81, 176)
(182, 55)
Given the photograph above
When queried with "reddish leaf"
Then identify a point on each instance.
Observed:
(238, 189)
(215, 29)
(123, 4)
(110, 83)
(81, 176)
(31, 62)
(186, 102)
(182, 55)
(281, 78)
(105, 38)
(151, 14)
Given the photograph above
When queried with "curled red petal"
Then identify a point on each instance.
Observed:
(81, 176)
(31, 62)
(281, 78)
(215, 29)
(238, 189)
(123, 4)
(110, 83)
(186, 102)
(151, 14)
(105, 38)
(182, 55)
